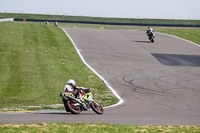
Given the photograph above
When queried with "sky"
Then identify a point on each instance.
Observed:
(163, 9)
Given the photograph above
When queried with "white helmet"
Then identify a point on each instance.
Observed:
(71, 82)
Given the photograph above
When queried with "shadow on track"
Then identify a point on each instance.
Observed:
(65, 113)
(142, 41)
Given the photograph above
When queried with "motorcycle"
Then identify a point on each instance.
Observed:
(151, 36)
(76, 105)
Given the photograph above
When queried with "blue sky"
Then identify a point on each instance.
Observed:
(164, 9)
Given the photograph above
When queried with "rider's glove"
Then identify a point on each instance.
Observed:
(62, 95)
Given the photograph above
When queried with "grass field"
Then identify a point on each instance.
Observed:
(95, 128)
(35, 63)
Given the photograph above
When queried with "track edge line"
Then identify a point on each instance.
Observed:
(104, 81)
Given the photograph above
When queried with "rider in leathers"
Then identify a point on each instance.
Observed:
(79, 92)
(149, 32)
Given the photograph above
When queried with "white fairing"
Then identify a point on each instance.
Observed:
(68, 87)
(91, 99)
(154, 35)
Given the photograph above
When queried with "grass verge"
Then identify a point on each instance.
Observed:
(187, 33)
(35, 63)
(96, 128)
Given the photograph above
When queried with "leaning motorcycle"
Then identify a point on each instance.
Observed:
(151, 36)
(76, 106)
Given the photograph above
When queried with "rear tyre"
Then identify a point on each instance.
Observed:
(97, 108)
(71, 106)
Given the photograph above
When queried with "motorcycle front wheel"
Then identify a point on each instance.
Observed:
(72, 107)
(152, 40)
(97, 108)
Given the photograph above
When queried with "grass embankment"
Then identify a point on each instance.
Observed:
(99, 19)
(188, 34)
(96, 128)
(35, 63)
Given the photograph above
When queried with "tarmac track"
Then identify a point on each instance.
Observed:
(159, 82)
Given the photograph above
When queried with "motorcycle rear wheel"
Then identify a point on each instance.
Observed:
(70, 107)
(97, 108)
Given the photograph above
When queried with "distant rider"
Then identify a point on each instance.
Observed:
(79, 92)
(150, 32)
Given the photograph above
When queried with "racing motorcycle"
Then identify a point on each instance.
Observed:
(151, 36)
(76, 105)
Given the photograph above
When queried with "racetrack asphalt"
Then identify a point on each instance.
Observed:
(154, 92)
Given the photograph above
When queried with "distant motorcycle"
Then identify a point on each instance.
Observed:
(151, 36)
(76, 105)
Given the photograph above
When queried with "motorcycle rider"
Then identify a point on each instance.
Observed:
(78, 92)
(149, 32)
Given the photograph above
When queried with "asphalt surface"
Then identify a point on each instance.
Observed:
(154, 92)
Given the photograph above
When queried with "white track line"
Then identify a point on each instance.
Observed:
(105, 82)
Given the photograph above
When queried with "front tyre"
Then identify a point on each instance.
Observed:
(72, 107)
(152, 40)
(97, 108)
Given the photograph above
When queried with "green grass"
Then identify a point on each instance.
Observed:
(35, 63)
(99, 19)
(96, 128)
(188, 34)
